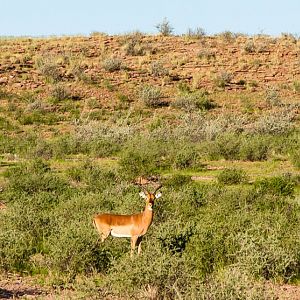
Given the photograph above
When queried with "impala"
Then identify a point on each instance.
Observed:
(133, 226)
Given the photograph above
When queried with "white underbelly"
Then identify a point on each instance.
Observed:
(121, 231)
(117, 234)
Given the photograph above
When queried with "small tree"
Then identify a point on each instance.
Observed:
(164, 27)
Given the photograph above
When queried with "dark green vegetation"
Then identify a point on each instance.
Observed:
(228, 222)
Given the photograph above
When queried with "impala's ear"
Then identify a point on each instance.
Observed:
(158, 195)
(143, 195)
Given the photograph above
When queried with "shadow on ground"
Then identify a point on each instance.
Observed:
(11, 294)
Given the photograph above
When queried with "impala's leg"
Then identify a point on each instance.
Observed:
(139, 244)
(104, 235)
(133, 243)
(104, 231)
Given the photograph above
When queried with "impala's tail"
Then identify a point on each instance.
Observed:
(94, 223)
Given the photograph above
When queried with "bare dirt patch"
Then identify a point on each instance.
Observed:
(16, 287)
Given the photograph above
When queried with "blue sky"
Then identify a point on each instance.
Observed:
(69, 17)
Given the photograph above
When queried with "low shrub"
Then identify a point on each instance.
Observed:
(112, 64)
(272, 98)
(189, 101)
(244, 146)
(296, 86)
(282, 185)
(207, 54)
(207, 241)
(177, 180)
(223, 79)
(59, 92)
(151, 96)
(96, 178)
(40, 179)
(264, 254)
(5, 125)
(275, 123)
(37, 117)
(157, 69)
(228, 36)
(232, 176)
(174, 237)
(7, 144)
(41, 150)
(186, 157)
(231, 283)
(249, 47)
(134, 47)
(254, 148)
(139, 162)
(224, 235)
(73, 248)
(225, 146)
(49, 68)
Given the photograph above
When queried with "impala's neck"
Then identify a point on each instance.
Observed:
(148, 215)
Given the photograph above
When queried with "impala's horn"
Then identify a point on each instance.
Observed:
(142, 187)
(157, 189)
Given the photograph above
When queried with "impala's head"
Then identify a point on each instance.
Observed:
(150, 197)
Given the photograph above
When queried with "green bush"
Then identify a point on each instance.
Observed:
(41, 150)
(278, 185)
(249, 147)
(137, 163)
(254, 148)
(37, 117)
(7, 144)
(177, 180)
(97, 178)
(226, 146)
(186, 158)
(41, 179)
(73, 249)
(232, 176)
(193, 101)
(175, 237)
(219, 239)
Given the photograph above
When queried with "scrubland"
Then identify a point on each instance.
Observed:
(214, 118)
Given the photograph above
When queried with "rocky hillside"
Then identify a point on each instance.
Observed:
(121, 64)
